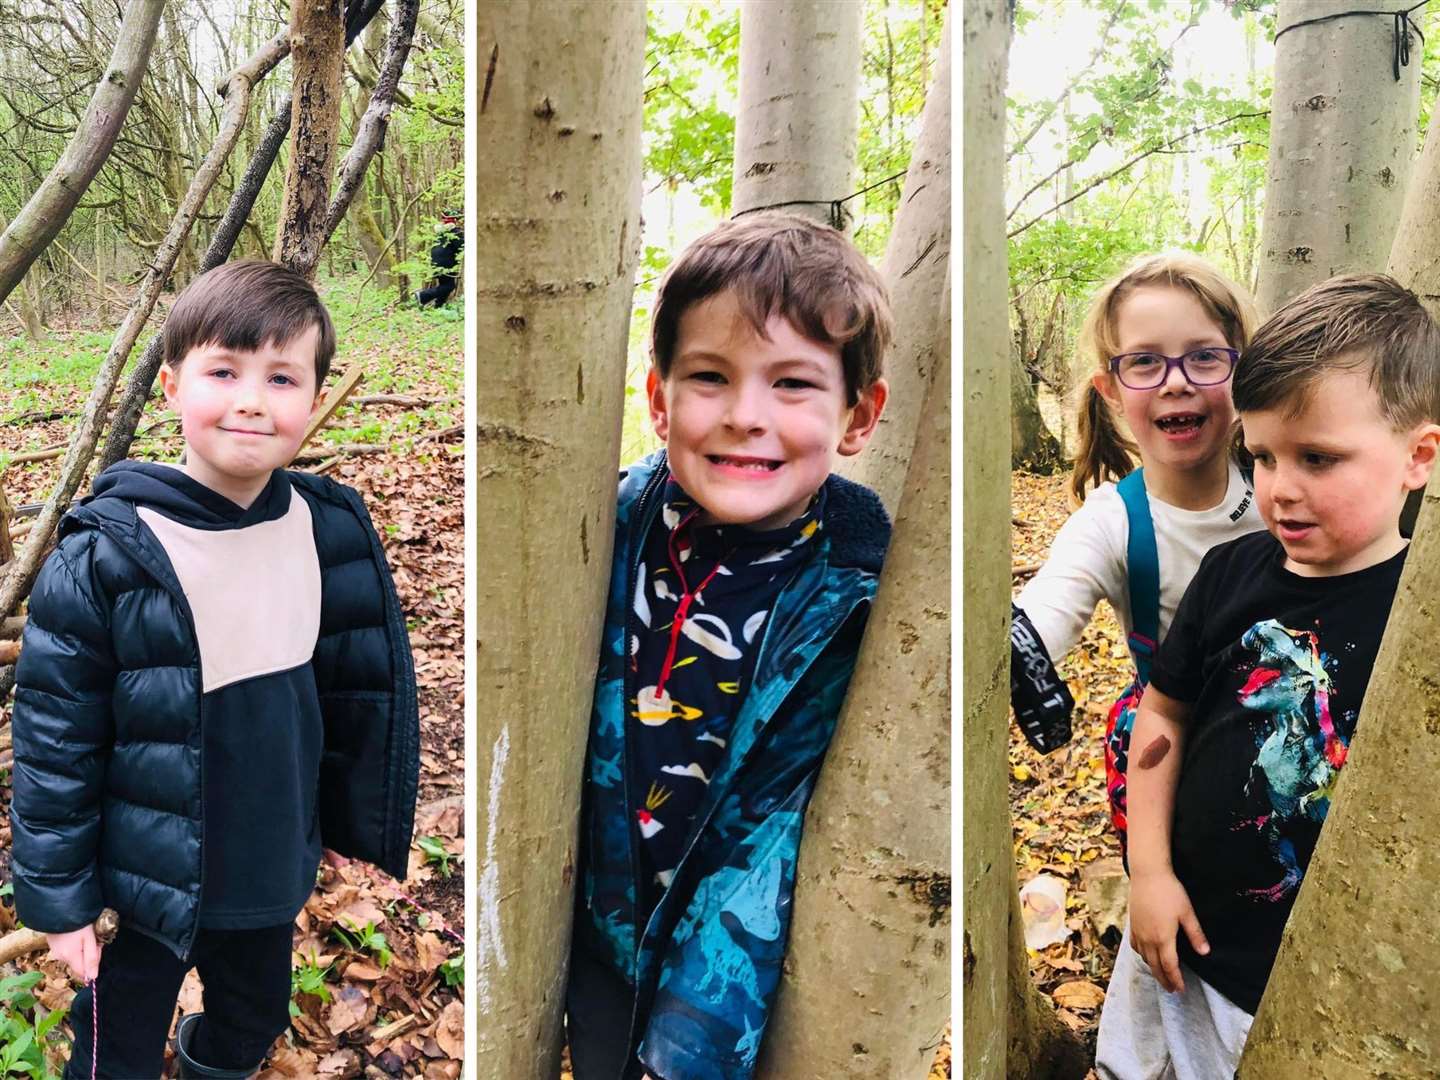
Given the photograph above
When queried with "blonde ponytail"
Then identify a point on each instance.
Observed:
(1104, 453)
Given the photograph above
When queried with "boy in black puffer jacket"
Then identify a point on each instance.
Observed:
(215, 681)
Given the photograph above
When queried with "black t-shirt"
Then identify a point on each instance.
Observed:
(1274, 666)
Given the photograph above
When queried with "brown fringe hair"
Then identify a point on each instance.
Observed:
(783, 264)
(244, 305)
(1105, 452)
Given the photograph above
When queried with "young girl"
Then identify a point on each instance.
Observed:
(1162, 339)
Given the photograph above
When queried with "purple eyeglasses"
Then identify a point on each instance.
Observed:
(1209, 366)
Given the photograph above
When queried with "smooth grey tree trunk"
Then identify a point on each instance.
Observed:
(1415, 254)
(799, 113)
(1342, 139)
(866, 985)
(985, 524)
(914, 269)
(50, 207)
(558, 183)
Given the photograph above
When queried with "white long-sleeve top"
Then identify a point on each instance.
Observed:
(1087, 561)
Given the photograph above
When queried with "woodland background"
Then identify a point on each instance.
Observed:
(379, 968)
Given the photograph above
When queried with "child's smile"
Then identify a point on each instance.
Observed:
(753, 423)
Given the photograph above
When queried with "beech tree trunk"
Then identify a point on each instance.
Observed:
(558, 179)
(985, 517)
(50, 207)
(317, 57)
(1342, 137)
(799, 112)
(1038, 1044)
(1363, 929)
(866, 985)
(1415, 254)
(1032, 446)
(914, 270)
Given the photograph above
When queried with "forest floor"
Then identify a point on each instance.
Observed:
(1058, 802)
(379, 969)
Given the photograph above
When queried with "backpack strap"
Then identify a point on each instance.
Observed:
(1142, 563)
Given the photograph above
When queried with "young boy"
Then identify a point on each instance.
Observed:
(742, 575)
(1255, 692)
(215, 680)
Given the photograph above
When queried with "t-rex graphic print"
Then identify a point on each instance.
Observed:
(1300, 752)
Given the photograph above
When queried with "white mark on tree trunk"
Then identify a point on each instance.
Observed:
(491, 947)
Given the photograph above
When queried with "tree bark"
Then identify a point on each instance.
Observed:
(1342, 137)
(50, 207)
(1415, 254)
(1032, 446)
(799, 114)
(866, 985)
(559, 123)
(914, 270)
(1363, 927)
(317, 57)
(985, 513)
(1039, 1045)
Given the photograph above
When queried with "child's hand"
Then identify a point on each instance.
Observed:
(1159, 907)
(79, 949)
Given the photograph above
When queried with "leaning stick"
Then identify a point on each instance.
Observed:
(22, 942)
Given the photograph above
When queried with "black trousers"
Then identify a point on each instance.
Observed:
(598, 1004)
(247, 1001)
(435, 295)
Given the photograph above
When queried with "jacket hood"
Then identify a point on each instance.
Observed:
(168, 490)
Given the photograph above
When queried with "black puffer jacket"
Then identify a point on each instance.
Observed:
(107, 804)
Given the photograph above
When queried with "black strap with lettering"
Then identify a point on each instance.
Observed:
(1040, 698)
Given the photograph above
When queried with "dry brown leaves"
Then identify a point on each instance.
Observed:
(1058, 802)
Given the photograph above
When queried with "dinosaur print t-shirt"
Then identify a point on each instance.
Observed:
(702, 595)
(1275, 666)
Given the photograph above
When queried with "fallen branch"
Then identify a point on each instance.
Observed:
(442, 434)
(344, 450)
(20, 943)
(1021, 571)
(334, 398)
(9, 652)
(12, 627)
(394, 399)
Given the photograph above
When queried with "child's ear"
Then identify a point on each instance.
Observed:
(1424, 449)
(1104, 384)
(659, 407)
(170, 384)
(864, 415)
(320, 395)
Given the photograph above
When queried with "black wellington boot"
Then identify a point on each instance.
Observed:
(189, 1067)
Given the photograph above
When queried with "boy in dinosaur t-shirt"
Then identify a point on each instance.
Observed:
(1255, 692)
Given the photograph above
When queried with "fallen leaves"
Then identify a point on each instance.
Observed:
(1058, 801)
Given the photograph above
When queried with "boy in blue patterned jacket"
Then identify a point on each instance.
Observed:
(742, 577)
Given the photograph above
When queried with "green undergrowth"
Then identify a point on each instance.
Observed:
(403, 350)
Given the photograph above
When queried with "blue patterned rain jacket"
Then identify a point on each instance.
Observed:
(706, 963)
